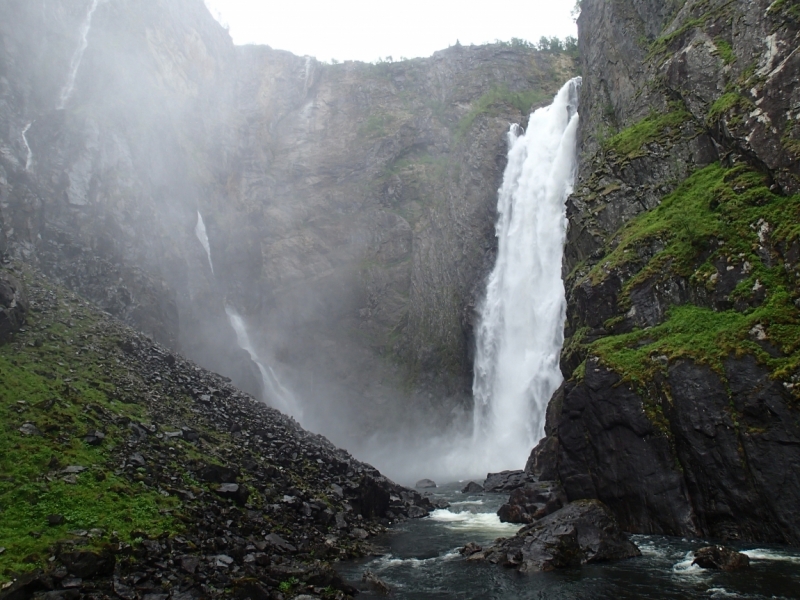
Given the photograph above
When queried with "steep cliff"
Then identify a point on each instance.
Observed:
(349, 207)
(680, 409)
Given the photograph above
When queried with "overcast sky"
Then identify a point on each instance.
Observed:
(371, 29)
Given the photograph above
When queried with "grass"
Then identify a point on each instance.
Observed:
(60, 382)
(713, 216)
(631, 141)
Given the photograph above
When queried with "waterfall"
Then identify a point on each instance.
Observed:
(75, 63)
(202, 235)
(29, 158)
(273, 388)
(520, 329)
(272, 385)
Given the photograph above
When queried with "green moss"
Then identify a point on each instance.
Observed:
(491, 103)
(60, 384)
(725, 103)
(714, 216)
(630, 142)
(785, 7)
(725, 51)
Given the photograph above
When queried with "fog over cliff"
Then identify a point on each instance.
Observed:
(348, 210)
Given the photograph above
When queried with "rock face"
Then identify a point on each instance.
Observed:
(349, 208)
(13, 305)
(580, 533)
(680, 406)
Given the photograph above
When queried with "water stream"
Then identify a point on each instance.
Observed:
(420, 561)
(276, 393)
(77, 57)
(29, 157)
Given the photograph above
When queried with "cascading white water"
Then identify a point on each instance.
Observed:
(202, 235)
(520, 331)
(77, 57)
(29, 158)
(272, 386)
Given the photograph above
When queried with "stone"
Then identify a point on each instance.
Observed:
(74, 469)
(532, 501)
(13, 306)
(425, 484)
(86, 564)
(30, 429)
(580, 533)
(94, 438)
(506, 481)
(238, 493)
(375, 584)
(54, 520)
(416, 512)
(218, 474)
(722, 558)
(472, 488)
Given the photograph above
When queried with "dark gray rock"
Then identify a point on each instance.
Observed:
(506, 481)
(425, 484)
(85, 564)
(722, 558)
(13, 305)
(533, 501)
(580, 533)
(472, 488)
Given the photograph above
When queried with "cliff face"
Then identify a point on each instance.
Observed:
(680, 409)
(349, 207)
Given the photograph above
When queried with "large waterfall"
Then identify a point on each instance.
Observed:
(77, 57)
(520, 331)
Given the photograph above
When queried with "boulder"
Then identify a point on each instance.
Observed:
(506, 481)
(582, 532)
(375, 584)
(720, 557)
(533, 501)
(472, 488)
(13, 306)
(425, 484)
(87, 564)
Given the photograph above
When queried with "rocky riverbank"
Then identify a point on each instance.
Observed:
(128, 470)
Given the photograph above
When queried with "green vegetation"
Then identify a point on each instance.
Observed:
(785, 7)
(375, 125)
(60, 384)
(713, 217)
(492, 101)
(725, 51)
(725, 103)
(630, 142)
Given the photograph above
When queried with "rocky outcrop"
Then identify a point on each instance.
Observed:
(533, 501)
(13, 306)
(720, 557)
(679, 409)
(581, 533)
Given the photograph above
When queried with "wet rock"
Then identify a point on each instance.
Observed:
(582, 532)
(506, 481)
(720, 557)
(13, 306)
(470, 549)
(424, 484)
(472, 488)
(238, 493)
(54, 520)
(278, 542)
(532, 501)
(375, 584)
(416, 512)
(30, 429)
(218, 474)
(85, 564)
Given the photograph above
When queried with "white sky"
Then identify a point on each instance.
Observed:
(370, 29)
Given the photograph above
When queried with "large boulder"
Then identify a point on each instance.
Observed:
(506, 481)
(13, 306)
(582, 532)
(533, 501)
(720, 557)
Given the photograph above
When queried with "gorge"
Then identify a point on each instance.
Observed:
(434, 263)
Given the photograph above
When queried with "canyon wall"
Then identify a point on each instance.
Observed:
(681, 406)
(349, 207)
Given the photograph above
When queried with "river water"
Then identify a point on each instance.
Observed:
(421, 561)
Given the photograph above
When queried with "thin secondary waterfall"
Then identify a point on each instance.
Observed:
(77, 57)
(520, 331)
(273, 388)
(29, 158)
(202, 235)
